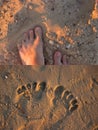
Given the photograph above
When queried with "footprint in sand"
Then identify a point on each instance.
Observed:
(63, 104)
(66, 98)
(27, 96)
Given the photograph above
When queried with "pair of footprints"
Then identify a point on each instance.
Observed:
(60, 94)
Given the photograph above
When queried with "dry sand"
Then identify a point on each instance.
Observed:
(48, 98)
(70, 26)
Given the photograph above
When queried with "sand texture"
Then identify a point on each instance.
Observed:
(70, 26)
(48, 98)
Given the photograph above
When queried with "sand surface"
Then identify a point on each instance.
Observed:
(70, 26)
(48, 98)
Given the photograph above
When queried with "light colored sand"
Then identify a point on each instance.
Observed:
(49, 108)
(71, 25)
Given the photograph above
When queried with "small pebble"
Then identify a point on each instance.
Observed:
(30, 7)
(58, 46)
(51, 42)
(16, 105)
(68, 46)
(6, 77)
(16, 21)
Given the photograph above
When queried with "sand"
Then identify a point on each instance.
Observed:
(48, 98)
(70, 26)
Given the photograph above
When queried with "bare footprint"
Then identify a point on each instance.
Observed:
(64, 104)
(28, 96)
(66, 98)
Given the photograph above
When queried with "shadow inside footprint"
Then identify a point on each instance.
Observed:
(40, 89)
(58, 91)
(42, 86)
(21, 90)
(34, 84)
(65, 94)
(29, 86)
(73, 104)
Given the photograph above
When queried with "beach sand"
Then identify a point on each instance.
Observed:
(48, 98)
(70, 26)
